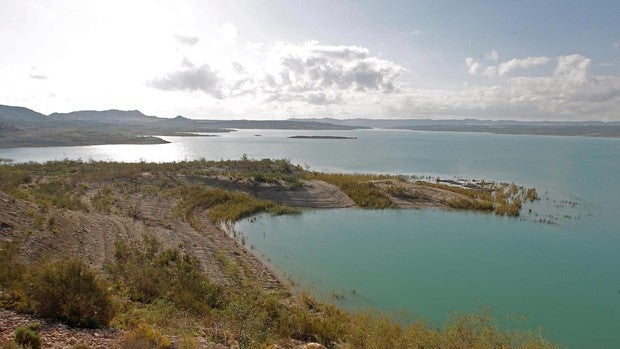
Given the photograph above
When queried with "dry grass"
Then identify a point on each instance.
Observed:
(359, 187)
(502, 198)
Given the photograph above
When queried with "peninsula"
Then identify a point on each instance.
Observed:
(141, 249)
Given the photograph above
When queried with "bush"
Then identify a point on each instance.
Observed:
(28, 337)
(359, 187)
(68, 291)
(226, 206)
(163, 275)
(145, 337)
(10, 345)
(11, 269)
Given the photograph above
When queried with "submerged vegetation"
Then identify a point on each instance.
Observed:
(502, 198)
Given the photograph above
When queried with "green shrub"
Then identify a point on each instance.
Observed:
(68, 291)
(27, 337)
(169, 275)
(57, 192)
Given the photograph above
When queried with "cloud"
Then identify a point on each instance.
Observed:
(492, 56)
(238, 67)
(309, 73)
(525, 63)
(38, 76)
(312, 67)
(284, 80)
(317, 74)
(476, 68)
(321, 98)
(186, 40)
(416, 33)
(570, 91)
(190, 79)
(616, 45)
(472, 66)
(229, 32)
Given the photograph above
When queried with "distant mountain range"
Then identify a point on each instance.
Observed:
(9, 114)
(409, 123)
(551, 128)
(112, 115)
(21, 115)
(21, 126)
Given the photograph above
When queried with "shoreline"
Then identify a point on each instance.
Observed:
(321, 137)
(180, 207)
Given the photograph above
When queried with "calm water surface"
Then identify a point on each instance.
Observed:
(565, 277)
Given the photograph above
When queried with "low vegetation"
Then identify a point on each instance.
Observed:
(144, 336)
(502, 198)
(28, 337)
(161, 296)
(225, 206)
(155, 275)
(66, 290)
(359, 187)
(64, 183)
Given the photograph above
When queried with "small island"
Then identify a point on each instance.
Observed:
(322, 137)
(188, 134)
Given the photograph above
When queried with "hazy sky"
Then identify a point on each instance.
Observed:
(530, 60)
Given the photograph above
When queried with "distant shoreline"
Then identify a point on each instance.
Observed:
(321, 137)
(574, 131)
(42, 140)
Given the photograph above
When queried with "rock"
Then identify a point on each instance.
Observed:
(314, 346)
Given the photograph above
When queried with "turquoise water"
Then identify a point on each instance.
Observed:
(565, 277)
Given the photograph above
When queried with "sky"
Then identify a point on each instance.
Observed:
(223, 59)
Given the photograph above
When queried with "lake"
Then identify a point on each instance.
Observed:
(563, 276)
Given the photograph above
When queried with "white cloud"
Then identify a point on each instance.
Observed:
(476, 68)
(313, 67)
(186, 40)
(229, 32)
(38, 76)
(310, 73)
(492, 56)
(616, 45)
(285, 80)
(190, 79)
(526, 63)
(473, 67)
(570, 91)
(416, 33)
